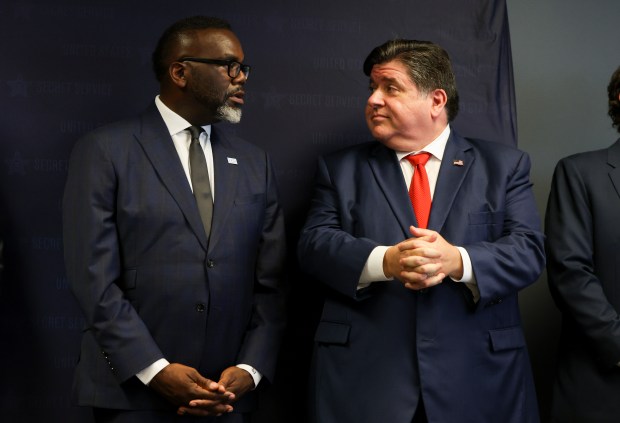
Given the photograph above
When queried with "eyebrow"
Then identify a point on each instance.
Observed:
(387, 79)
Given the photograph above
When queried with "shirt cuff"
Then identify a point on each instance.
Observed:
(253, 372)
(147, 374)
(468, 278)
(373, 269)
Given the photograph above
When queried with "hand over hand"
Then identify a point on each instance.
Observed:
(235, 380)
(181, 384)
(423, 260)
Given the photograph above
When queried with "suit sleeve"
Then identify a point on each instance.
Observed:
(573, 283)
(326, 249)
(515, 259)
(264, 334)
(92, 258)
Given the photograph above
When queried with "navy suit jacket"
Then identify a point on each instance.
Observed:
(147, 280)
(378, 348)
(584, 279)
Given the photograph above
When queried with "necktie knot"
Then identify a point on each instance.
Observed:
(195, 131)
(419, 159)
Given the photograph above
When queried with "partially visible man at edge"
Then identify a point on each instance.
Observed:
(581, 224)
(184, 308)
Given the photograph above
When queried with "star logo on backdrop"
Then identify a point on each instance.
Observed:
(19, 87)
(16, 164)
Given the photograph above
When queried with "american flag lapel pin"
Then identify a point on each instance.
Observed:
(232, 160)
(457, 162)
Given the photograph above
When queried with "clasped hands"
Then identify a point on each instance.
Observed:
(423, 260)
(197, 395)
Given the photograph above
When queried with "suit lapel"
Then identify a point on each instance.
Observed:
(455, 165)
(226, 163)
(389, 176)
(613, 160)
(160, 150)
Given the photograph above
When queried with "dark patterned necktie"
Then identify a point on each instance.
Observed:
(199, 174)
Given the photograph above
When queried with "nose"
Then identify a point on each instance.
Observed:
(375, 100)
(242, 78)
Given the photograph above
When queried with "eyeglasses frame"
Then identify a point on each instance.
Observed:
(221, 62)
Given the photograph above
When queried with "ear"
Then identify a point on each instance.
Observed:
(177, 72)
(439, 99)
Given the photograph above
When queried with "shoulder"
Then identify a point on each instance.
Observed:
(229, 140)
(493, 157)
(588, 165)
(108, 137)
(584, 158)
(493, 148)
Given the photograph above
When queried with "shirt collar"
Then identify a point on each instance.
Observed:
(174, 122)
(436, 147)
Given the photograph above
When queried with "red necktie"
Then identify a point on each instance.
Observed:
(420, 190)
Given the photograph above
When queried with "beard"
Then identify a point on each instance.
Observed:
(227, 113)
(212, 98)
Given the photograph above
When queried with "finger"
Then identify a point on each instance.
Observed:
(415, 279)
(208, 384)
(428, 283)
(203, 411)
(197, 392)
(433, 280)
(220, 396)
(420, 232)
(418, 280)
(420, 264)
(210, 407)
(430, 269)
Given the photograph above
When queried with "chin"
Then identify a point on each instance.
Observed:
(379, 135)
(390, 141)
(229, 114)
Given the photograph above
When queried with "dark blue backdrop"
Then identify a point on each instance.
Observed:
(69, 66)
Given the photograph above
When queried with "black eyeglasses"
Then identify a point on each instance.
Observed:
(234, 67)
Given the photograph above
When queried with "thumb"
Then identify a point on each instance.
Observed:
(427, 234)
(203, 382)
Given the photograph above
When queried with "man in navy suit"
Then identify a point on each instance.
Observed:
(582, 230)
(421, 324)
(184, 315)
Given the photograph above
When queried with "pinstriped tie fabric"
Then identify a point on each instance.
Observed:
(199, 174)
(420, 190)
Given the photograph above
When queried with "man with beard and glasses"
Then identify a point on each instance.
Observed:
(174, 245)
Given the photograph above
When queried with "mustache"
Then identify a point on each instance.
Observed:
(234, 92)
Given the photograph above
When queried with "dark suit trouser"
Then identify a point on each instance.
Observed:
(420, 413)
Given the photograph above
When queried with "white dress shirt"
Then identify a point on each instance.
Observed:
(373, 269)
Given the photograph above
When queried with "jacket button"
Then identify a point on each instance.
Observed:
(200, 307)
(210, 264)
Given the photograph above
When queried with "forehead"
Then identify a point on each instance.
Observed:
(211, 43)
(390, 71)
